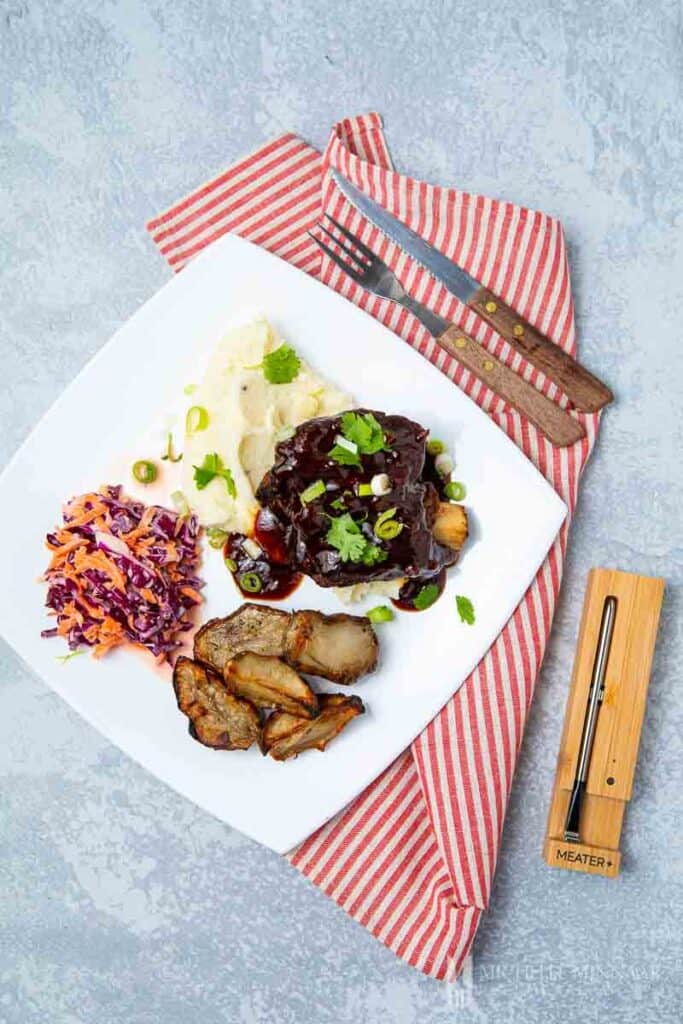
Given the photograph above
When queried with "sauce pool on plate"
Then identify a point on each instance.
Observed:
(264, 574)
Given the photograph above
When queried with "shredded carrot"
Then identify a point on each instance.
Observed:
(142, 528)
(118, 605)
(171, 551)
(101, 562)
(88, 516)
(61, 553)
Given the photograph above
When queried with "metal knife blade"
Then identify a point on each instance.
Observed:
(457, 280)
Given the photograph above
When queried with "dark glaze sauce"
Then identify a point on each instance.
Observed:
(431, 474)
(269, 534)
(278, 579)
(302, 542)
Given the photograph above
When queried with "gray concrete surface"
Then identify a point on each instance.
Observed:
(119, 901)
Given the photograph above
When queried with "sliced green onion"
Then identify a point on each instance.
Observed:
(386, 527)
(190, 389)
(312, 492)
(444, 464)
(455, 491)
(63, 658)
(231, 564)
(364, 490)
(338, 504)
(144, 471)
(435, 447)
(251, 582)
(344, 442)
(380, 614)
(197, 419)
(388, 530)
(252, 548)
(216, 536)
(169, 456)
(180, 503)
(388, 513)
(380, 484)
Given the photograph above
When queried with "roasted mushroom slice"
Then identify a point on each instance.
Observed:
(282, 724)
(269, 683)
(283, 737)
(279, 725)
(217, 718)
(253, 627)
(337, 647)
(450, 525)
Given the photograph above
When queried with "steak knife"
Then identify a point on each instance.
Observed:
(585, 391)
(364, 267)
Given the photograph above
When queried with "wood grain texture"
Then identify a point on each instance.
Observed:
(557, 424)
(601, 818)
(593, 860)
(586, 392)
(617, 736)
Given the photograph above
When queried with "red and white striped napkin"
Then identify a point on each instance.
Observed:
(413, 857)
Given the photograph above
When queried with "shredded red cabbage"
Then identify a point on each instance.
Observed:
(100, 568)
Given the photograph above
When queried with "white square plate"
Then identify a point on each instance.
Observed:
(425, 657)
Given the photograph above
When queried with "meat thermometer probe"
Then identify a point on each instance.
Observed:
(595, 698)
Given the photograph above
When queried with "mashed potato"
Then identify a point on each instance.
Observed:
(246, 414)
(377, 588)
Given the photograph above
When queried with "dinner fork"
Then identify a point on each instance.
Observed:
(364, 267)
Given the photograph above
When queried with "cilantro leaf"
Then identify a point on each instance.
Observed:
(344, 457)
(344, 535)
(426, 596)
(364, 430)
(213, 467)
(374, 554)
(204, 474)
(312, 492)
(465, 609)
(281, 366)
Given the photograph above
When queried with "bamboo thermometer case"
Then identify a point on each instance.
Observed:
(603, 721)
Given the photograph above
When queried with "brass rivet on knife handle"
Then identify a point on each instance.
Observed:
(585, 391)
(558, 425)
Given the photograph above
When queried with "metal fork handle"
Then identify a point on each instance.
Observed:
(372, 274)
(435, 324)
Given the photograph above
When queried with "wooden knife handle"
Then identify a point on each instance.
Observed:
(586, 392)
(557, 424)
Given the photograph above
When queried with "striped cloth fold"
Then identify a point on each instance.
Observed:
(413, 857)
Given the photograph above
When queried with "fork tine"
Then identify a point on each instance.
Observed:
(368, 253)
(342, 245)
(336, 258)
